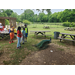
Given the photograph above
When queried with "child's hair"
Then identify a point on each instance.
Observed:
(19, 28)
(25, 25)
(23, 28)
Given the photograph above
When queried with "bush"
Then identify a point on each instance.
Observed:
(73, 24)
(26, 22)
(70, 25)
(66, 24)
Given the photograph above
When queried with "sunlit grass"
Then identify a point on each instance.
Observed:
(17, 55)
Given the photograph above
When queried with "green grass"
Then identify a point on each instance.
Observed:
(61, 49)
(17, 55)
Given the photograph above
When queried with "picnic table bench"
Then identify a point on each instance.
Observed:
(65, 36)
(40, 32)
(2, 34)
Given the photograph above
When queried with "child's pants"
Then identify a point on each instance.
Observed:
(23, 38)
(18, 43)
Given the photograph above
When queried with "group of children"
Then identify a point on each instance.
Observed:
(22, 35)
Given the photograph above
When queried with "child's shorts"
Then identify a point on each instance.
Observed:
(26, 35)
(11, 35)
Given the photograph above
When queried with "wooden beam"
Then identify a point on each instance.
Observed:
(14, 23)
(2, 21)
(10, 21)
(7, 18)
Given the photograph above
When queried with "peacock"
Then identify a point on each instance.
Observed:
(43, 44)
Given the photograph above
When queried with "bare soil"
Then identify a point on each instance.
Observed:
(61, 55)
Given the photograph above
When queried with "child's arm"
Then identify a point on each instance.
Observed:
(22, 33)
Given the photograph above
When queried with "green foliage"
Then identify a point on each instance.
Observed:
(73, 24)
(26, 22)
(8, 12)
(28, 14)
(6, 22)
(69, 24)
(66, 24)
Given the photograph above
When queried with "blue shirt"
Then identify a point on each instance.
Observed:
(23, 32)
(9, 31)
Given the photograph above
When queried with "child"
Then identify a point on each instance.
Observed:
(19, 37)
(26, 31)
(11, 33)
(23, 33)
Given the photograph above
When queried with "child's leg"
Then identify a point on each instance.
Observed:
(26, 36)
(23, 39)
(18, 43)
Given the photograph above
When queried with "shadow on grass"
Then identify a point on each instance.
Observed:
(66, 43)
(42, 37)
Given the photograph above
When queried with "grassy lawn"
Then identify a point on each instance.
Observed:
(17, 55)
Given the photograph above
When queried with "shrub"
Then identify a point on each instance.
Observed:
(26, 22)
(70, 25)
(66, 24)
(73, 24)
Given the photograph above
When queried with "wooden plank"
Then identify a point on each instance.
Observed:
(68, 34)
(65, 39)
(4, 33)
(7, 18)
(43, 35)
(40, 35)
(39, 31)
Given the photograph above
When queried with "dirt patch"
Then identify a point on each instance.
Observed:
(5, 57)
(60, 56)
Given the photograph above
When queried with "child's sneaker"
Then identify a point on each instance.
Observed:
(20, 47)
(25, 40)
(9, 42)
(17, 48)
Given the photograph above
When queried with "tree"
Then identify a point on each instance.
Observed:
(27, 15)
(15, 15)
(2, 13)
(8, 12)
(47, 10)
(26, 22)
(41, 16)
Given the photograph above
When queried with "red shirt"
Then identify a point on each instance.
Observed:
(19, 32)
(3, 28)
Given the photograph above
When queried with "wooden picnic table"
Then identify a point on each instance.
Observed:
(40, 32)
(65, 36)
(2, 34)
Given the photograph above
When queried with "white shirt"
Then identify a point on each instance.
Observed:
(1, 26)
